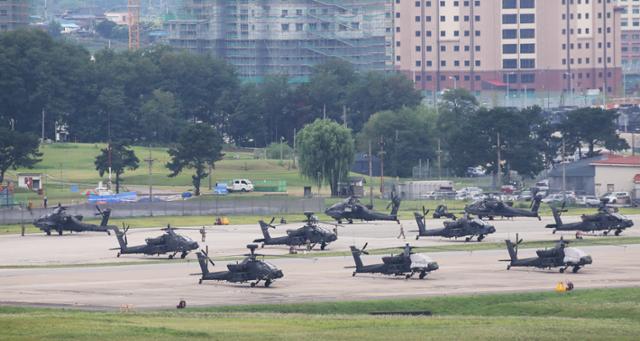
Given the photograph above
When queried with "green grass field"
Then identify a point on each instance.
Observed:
(610, 314)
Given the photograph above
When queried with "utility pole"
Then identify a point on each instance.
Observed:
(439, 152)
(381, 153)
(42, 138)
(344, 115)
(324, 111)
(370, 175)
(564, 172)
(499, 165)
(149, 162)
(294, 148)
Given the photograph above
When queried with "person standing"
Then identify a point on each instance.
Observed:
(44, 201)
(203, 232)
(401, 232)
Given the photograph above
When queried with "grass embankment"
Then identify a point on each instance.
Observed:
(587, 314)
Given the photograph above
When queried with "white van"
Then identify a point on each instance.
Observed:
(240, 185)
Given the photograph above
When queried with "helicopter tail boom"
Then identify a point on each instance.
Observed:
(513, 254)
(204, 265)
(356, 257)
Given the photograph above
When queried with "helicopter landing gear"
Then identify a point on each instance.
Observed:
(262, 246)
(480, 237)
(417, 237)
(353, 274)
(618, 232)
(183, 255)
(509, 267)
(118, 255)
(200, 281)
(467, 239)
(59, 232)
(605, 233)
(48, 232)
(554, 231)
(350, 221)
(323, 245)
(575, 269)
(423, 274)
(173, 255)
(267, 283)
(408, 276)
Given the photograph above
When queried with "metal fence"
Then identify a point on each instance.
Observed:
(219, 206)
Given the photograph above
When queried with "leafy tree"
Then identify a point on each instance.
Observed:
(408, 136)
(39, 73)
(595, 127)
(121, 157)
(455, 124)
(199, 146)
(105, 28)
(328, 86)
(17, 150)
(326, 151)
(159, 117)
(375, 92)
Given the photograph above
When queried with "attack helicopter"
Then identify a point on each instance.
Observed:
(310, 234)
(604, 220)
(560, 256)
(59, 220)
(443, 212)
(351, 209)
(170, 242)
(250, 269)
(405, 264)
(492, 207)
(463, 227)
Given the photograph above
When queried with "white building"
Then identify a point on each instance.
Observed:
(616, 174)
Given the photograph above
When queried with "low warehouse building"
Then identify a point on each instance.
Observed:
(616, 173)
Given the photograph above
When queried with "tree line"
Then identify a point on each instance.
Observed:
(162, 96)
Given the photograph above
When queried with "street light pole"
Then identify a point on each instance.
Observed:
(564, 172)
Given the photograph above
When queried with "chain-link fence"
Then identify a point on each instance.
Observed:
(219, 206)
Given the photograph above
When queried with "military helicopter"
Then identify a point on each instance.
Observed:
(463, 227)
(169, 242)
(351, 209)
(405, 264)
(492, 207)
(560, 256)
(443, 212)
(310, 234)
(59, 220)
(250, 269)
(605, 220)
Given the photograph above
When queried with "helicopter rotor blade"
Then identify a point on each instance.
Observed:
(365, 246)
(272, 220)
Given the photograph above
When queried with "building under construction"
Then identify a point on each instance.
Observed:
(14, 14)
(274, 37)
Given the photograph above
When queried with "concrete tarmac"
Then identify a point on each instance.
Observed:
(162, 285)
(89, 248)
(148, 286)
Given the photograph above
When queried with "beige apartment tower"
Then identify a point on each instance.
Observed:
(13, 14)
(531, 46)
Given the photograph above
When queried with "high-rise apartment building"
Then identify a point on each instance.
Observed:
(539, 46)
(630, 25)
(13, 14)
(286, 37)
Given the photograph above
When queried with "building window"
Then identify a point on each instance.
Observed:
(527, 63)
(527, 18)
(527, 33)
(509, 34)
(509, 48)
(532, 3)
(509, 19)
(509, 63)
(528, 48)
(509, 4)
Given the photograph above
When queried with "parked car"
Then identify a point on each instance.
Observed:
(558, 198)
(240, 185)
(542, 185)
(439, 195)
(617, 197)
(588, 200)
(525, 196)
